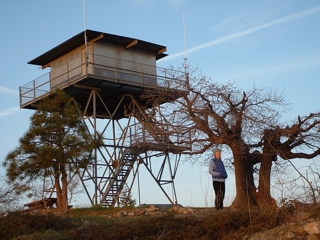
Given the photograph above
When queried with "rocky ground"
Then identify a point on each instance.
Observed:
(302, 226)
(304, 223)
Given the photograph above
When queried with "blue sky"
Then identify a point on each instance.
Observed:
(271, 44)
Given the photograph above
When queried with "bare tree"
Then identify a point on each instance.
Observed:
(10, 195)
(248, 122)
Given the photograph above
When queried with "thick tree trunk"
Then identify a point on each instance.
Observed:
(64, 192)
(58, 191)
(264, 198)
(61, 190)
(245, 188)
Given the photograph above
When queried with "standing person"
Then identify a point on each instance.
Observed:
(219, 175)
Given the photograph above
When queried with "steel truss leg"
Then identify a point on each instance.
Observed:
(107, 173)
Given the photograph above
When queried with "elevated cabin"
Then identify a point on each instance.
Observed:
(111, 64)
(106, 75)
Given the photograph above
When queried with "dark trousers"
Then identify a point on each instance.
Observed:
(219, 190)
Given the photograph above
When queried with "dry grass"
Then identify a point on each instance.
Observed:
(93, 223)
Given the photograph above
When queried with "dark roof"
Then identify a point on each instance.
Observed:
(79, 40)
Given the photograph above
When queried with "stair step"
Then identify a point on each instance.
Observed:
(117, 182)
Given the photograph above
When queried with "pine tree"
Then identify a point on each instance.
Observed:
(126, 198)
(56, 144)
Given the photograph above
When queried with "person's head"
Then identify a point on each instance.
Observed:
(216, 153)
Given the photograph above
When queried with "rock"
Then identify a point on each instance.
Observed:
(131, 214)
(288, 235)
(152, 208)
(299, 230)
(300, 216)
(186, 210)
(139, 212)
(121, 214)
(312, 228)
(175, 209)
(312, 237)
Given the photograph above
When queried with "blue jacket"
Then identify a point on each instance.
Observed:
(217, 170)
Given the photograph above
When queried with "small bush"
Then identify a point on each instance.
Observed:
(15, 224)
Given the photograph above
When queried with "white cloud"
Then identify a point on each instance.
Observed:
(9, 111)
(222, 40)
(9, 91)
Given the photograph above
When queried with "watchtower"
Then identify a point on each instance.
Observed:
(106, 75)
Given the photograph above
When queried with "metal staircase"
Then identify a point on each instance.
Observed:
(108, 92)
(150, 134)
(119, 178)
(159, 131)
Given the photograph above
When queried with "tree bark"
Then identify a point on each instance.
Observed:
(245, 188)
(64, 192)
(61, 189)
(264, 198)
(58, 190)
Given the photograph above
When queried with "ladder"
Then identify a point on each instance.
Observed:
(119, 178)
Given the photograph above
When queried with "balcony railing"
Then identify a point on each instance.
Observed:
(101, 67)
(164, 136)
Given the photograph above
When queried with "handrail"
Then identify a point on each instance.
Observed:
(111, 70)
(171, 136)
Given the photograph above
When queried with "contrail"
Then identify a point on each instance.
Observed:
(278, 21)
(7, 90)
(9, 111)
